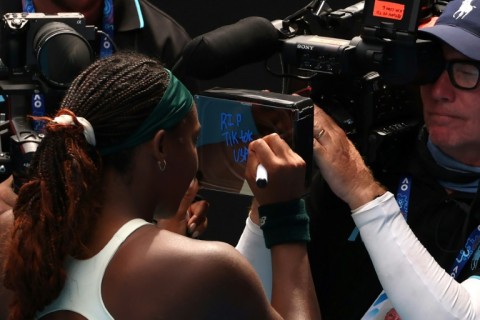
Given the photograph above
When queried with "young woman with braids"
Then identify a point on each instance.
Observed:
(119, 151)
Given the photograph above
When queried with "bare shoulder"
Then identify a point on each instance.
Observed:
(212, 278)
(170, 250)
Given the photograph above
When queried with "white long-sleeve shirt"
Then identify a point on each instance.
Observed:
(414, 282)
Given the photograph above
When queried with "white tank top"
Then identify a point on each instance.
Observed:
(82, 292)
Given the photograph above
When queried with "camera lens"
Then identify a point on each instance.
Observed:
(61, 52)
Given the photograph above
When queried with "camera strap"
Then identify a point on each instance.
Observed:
(106, 47)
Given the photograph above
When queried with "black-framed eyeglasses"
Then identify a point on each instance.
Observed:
(464, 74)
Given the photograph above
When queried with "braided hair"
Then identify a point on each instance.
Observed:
(60, 203)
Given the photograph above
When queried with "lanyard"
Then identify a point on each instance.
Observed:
(403, 195)
(106, 49)
(471, 244)
(403, 198)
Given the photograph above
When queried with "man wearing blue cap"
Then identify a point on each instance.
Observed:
(416, 257)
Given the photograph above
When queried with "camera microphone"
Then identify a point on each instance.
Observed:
(223, 50)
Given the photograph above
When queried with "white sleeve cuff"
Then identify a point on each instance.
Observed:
(384, 197)
(252, 246)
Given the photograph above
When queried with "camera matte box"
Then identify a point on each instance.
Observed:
(232, 118)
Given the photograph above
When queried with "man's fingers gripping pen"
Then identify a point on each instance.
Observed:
(262, 176)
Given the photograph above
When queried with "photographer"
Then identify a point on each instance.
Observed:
(144, 28)
(424, 250)
(130, 25)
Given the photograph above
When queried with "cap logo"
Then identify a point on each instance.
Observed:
(464, 9)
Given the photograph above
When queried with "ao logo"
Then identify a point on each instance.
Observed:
(404, 185)
(37, 101)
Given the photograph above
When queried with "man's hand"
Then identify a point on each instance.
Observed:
(341, 164)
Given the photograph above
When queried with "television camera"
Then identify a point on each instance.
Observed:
(361, 64)
(368, 83)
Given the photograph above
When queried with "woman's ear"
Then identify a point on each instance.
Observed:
(159, 147)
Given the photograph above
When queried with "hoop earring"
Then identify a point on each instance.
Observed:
(162, 165)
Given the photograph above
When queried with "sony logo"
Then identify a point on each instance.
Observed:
(304, 46)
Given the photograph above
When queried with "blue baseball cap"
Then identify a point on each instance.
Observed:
(459, 27)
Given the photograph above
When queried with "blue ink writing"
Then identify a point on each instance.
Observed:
(236, 136)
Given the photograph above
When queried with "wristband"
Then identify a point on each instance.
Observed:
(284, 222)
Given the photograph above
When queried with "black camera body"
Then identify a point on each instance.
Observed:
(41, 55)
(369, 82)
(34, 42)
(388, 44)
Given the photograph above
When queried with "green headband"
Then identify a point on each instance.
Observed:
(176, 102)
